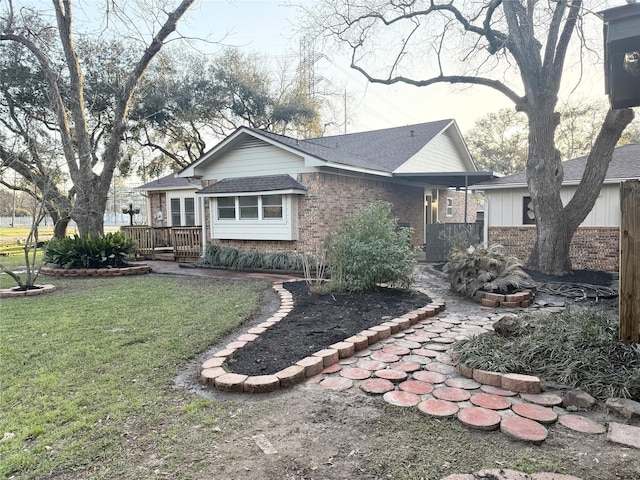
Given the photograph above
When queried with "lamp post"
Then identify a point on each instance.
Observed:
(131, 212)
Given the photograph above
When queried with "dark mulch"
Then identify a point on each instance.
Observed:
(589, 277)
(318, 321)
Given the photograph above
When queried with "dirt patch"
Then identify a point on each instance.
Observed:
(318, 321)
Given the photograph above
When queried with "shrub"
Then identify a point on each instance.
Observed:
(485, 269)
(370, 249)
(110, 250)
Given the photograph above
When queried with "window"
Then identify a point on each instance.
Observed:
(449, 211)
(176, 217)
(528, 217)
(272, 206)
(248, 208)
(227, 208)
(189, 212)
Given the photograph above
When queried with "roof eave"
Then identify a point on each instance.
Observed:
(287, 191)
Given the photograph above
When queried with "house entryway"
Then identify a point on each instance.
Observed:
(439, 237)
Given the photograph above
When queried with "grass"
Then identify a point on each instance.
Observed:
(579, 348)
(89, 368)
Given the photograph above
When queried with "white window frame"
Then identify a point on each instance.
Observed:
(260, 206)
(183, 212)
(449, 207)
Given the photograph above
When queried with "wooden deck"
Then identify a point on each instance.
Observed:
(181, 244)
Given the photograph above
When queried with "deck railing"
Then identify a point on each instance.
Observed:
(184, 242)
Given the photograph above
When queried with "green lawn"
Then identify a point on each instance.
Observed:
(87, 368)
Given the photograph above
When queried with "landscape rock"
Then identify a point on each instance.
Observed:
(624, 406)
(579, 399)
(507, 326)
(624, 434)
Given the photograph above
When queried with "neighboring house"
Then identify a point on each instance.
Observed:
(268, 192)
(509, 218)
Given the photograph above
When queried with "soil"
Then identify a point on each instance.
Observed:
(319, 434)
(318, 321)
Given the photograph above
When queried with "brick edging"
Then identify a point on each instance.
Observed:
(214, 374)
(514, 382)
(12, 292)
(96, 272)
(521, 299)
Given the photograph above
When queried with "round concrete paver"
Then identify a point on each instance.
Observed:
(464, 383)
(544, 399)
(372, 365)
(337, 383)
(377, 386)
(442, 368)
(445, 340)
(451, 394)
(355, 373)
(425, 353)
(480, 418)
(385, 357)
(436, 347)
(434, 329)
(401, 399)
(492, 402)
(438, 408)
(332, 369)
(535, 412)
(429, 377)
(395, 350)
(417, 358)
(406, 366)
(498, 391)
(414, 386)
(581, 424)
(523, 429)
(408, 343)
(395, 376)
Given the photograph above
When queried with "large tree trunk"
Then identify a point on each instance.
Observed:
(89, 208)
(556, 224)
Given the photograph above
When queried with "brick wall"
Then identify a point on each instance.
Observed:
(458, 206)
(592, 248)
(332, 197)
(158, 202)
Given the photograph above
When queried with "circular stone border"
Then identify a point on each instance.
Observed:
(96, 272)
(13, 292)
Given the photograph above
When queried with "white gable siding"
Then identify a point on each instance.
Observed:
(255, 158)
(504, 207)
(439, 155)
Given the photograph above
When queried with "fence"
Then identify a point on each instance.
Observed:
(439, 237)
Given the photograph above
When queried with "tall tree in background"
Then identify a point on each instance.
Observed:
(422, 43)
(89, 160)
(498, 141)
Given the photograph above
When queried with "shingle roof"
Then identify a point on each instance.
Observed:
(384, 150)
(267, 183)
(168, 181)
(625, 165)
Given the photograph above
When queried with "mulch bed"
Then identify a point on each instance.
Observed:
(318, 321)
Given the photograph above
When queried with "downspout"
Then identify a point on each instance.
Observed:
(466, 197)
(485, 225)
(204, 227)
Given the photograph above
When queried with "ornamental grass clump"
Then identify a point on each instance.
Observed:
(487, 269)
(234, 259)
(371, 249)
(577, 348)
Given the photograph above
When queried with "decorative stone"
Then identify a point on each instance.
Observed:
(401, 399)
(523, 429)
(480, 418)
(487, 378)
(336, 383)
(312, 365)
(355, 373)
(545, 399)
(261, 384)
(451, 394)
(492, 402)
(578, 398)
(414, 386)
(429, 377)
(626, 407)
(376, 386)
(581, 424)
(520, 383)
(438, 408)
(624, 434)
(535, 412)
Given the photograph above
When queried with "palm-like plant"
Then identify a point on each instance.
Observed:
(485, 269)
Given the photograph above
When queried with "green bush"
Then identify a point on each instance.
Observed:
(485, 269)
(369, 250)
(110, 250)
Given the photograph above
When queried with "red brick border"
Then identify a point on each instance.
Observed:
(96, 272)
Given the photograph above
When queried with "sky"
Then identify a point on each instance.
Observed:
(269, 27)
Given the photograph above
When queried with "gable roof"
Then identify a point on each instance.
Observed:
(379, 152)
(171, 182)
(266, 183)
(625, 165)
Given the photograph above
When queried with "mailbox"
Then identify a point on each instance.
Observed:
(622, 55)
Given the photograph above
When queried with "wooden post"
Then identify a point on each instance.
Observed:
(630, 262)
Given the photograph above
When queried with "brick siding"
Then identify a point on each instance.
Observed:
(592, 248)
(458, 206)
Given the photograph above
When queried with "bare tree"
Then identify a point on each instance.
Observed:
(422, 43)
(90, 170)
